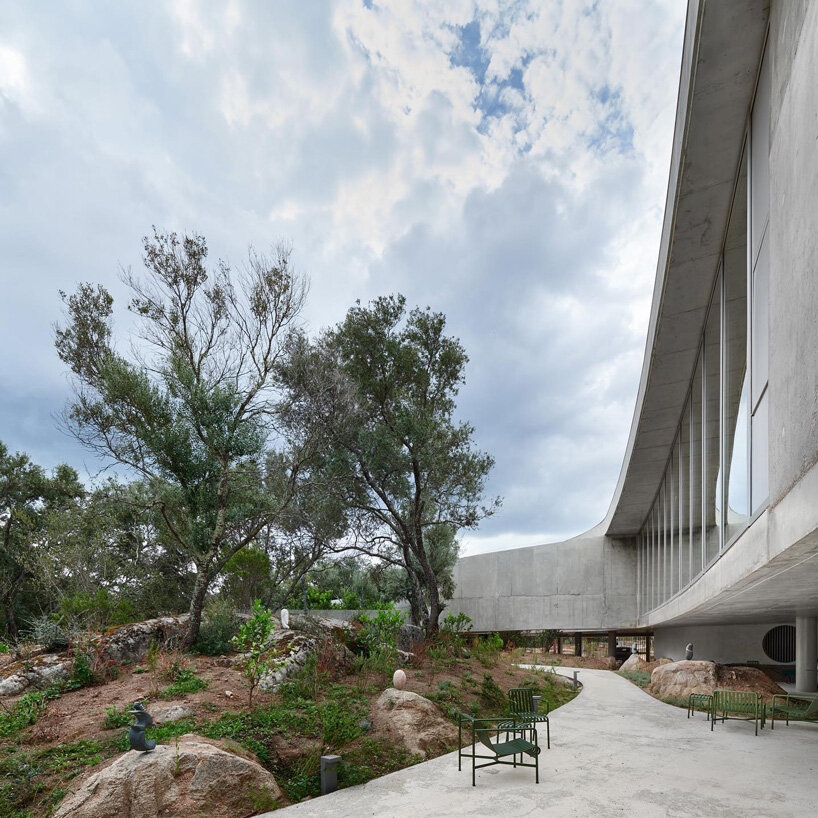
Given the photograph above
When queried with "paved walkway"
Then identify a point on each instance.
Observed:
(614, 751)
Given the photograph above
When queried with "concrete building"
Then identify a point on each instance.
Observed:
(712, 533)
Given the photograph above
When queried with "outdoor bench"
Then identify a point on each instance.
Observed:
(700, 700)
(738, 705)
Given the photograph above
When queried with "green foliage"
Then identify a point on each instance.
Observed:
(114, 718)
(185, 680)
(491, 692)
(379, 392)
(453, 631)
(219, 628)
(47, 630)
(253, 640)
(380, 632)
(638, 677)
(97, 610)
(4, 648)
(25, 711)
(487, 650)
(193, 415)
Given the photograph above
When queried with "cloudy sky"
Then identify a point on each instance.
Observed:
(503, 162)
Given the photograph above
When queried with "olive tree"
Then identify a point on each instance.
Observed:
(379, 391)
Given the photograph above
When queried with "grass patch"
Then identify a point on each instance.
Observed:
(185, 681)
(25, 711)
(638, 677)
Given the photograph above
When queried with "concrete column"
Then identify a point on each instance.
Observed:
(559, 644)
(611, 643)
(577, 644)
(806, 654)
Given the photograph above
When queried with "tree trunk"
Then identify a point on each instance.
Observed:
(9, 605)
(435, 607)
(196, 607)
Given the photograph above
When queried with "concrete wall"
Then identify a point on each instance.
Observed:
(731, 644)
(793, 423)
(586, 583)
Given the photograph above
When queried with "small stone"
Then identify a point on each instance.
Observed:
(174, 712)
(229, 694)
(399, 679)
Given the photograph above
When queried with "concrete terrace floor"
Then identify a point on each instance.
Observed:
(614, 751)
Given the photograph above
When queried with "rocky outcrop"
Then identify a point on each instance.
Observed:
(34, 674)
(197, 777)
(413, 722)
(171, 712)
(124, 644)
(677, 680)
(129, 643)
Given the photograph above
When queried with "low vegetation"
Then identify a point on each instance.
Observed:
(325, 708)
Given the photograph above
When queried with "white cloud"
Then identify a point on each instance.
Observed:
(511, 176)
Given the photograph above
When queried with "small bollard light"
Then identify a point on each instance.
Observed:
(536, 703)
(329, 773)
(576, 680)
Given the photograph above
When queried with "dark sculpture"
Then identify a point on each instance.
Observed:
(689, 651)
(136, 733)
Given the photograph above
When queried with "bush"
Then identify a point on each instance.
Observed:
(96, 611)
(253, 639)
(47, 630)
(491, 692)
(115, 718)
(488, 649)
(453, 631)
(219, 629)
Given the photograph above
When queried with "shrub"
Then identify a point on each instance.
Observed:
(220, 627)
(488, 649)
(253, 639)
(89, 664)
(491, 692)
(96, 611)
(115, 718)
(453, 631)
(48, 631)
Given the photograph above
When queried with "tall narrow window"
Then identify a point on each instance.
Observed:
(736, 381)
(696, 445)
(760, 267)
(712, 426)
(684, 499)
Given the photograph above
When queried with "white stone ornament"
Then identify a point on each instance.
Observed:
(285, 618)
(399, 679)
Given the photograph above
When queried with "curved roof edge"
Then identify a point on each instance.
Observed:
(722, 50)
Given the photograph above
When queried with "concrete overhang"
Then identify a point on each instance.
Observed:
(720, 60)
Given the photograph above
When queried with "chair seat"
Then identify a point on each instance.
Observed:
(516, 746)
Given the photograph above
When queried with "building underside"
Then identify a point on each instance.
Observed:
(712, 533)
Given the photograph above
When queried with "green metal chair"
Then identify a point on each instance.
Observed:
(795, 706)
(487, 732)
(738, 705)
(696, 700)
(521, 706)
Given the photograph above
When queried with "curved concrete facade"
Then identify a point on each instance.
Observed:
(768, 572)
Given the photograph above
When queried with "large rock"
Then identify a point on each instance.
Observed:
(199, 777)
(130, 643)
(677, 680)
(34, 674)
(634, 663)
(413, 721)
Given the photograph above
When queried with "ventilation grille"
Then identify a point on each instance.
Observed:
(779, 643)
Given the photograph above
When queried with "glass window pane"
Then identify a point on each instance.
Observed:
(760, 325)
(760, 455)
(736, 407)
(684, 498)
(712, 424)
(672, 514)
(760, 149)
(696, 469)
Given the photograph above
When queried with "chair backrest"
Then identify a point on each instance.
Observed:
(812, 710)
(521, 700)
(736, 701)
